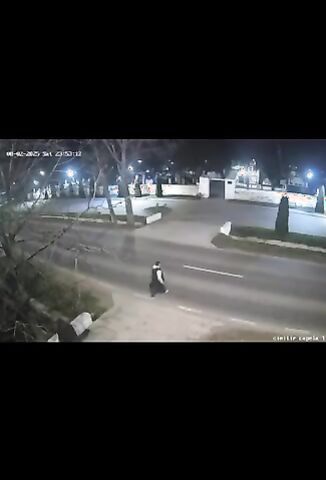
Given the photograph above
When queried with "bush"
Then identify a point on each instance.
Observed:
(120, 192)
(159, 190)
(137, 190)
(282, 220)
(62, 191)
(320, 205)
(81, 190)
(59, 296)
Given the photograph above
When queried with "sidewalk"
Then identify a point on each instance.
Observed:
(140, 318)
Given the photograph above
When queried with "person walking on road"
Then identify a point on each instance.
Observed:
(157, 284)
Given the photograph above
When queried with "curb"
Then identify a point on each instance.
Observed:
(86, 220)
(311, 214)
(64, 217)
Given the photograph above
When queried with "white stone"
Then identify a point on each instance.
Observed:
(81, 323)
(54, 338)
(153, 218)
(226, 228)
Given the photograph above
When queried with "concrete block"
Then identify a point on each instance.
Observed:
(54, 338)
(81, 323)
(153, 218)
(226, 228)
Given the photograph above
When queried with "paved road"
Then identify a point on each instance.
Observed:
(284, 292)
(205, 212)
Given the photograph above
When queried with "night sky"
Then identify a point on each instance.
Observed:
(305, 154)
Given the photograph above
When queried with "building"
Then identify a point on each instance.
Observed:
(247, 173)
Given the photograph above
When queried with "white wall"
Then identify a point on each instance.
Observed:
(150, 189)
(204, 186)
(295, 199)
(229, 189)
(191, 190)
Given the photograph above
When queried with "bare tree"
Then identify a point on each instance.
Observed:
(104, 168)
(20, 317)
(123, 151)
(118, 150)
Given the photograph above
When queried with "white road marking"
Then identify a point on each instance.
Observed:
(239, 320)
(200, 269)
(187, 309)
(297, 330)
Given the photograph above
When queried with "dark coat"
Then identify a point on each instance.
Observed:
(156, 286)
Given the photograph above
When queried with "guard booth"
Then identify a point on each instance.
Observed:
(217, 187)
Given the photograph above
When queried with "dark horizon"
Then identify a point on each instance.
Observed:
(305, 153)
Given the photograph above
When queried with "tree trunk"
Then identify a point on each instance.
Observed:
(124, 184)
(109, 201)
(128, 202)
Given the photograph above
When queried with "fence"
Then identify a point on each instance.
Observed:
(274, 197)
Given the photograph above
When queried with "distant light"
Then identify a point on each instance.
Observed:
(310, 175)
(140, 161)
(130, 168)
(35, 182)
(70, 173)
(147, 171)
(42, 172)
(172, 163)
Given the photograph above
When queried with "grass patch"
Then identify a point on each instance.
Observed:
(58, 296)
(223, 241)
(180, 197)
(269, 234)
(59, 293)
(292, 205)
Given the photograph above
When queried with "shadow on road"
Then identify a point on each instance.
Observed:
(163, 209)
(128, 250)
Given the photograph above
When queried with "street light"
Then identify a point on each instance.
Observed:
(42, 172)
(130, 168)
(36, 182)
(309, 175)
(70, 173)
(140, 161)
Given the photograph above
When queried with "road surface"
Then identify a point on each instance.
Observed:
(207, 212)
(256, 290)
